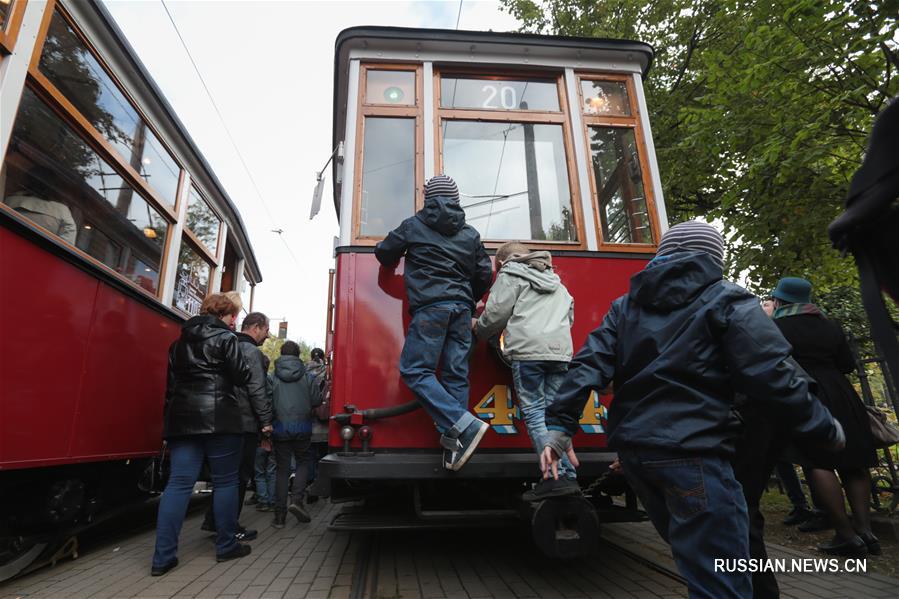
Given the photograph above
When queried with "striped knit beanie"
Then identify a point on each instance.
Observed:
(693, 236)
(442, 186)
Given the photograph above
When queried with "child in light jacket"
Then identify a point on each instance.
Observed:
(532, 308)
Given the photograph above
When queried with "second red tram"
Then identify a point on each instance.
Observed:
(549, 142)
(113, 228)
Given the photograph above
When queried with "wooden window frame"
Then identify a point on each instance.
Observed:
(67, 120)
(560, 117)
(364, 111)
(10, 30)
(204, 249)
(623, 122)
(83, 126)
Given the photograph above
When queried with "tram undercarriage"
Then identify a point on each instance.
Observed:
(401, 490)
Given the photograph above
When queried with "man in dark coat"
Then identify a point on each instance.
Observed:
(255, 409)
(676, 347)
(446, 272)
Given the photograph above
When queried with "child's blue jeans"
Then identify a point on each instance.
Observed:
(536, 384)
(440, 336)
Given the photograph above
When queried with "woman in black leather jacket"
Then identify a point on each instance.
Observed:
(203, 423)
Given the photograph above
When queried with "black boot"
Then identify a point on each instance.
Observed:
(872, 542)
(854, 547)
(299, 512)
(280, 519)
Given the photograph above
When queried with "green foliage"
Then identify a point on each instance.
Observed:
(760, 113)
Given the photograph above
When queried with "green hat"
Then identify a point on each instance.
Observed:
(793, 290)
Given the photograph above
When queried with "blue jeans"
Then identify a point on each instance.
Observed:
(265, 476)
(440, 336)
(536, 384)
(698, 507)
(222, 452)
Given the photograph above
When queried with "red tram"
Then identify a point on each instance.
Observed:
(113, 228)
(549, 142)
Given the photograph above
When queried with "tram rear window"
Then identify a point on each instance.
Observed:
(605, 98)
(513, 177)
(75, 71)
(388, 174)
(620, 192)
(56, 180)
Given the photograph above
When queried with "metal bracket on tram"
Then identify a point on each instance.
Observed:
(357, 417)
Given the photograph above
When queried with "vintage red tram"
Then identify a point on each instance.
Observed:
(549, 141)
(113, 227)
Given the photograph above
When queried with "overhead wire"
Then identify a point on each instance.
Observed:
(240, 157)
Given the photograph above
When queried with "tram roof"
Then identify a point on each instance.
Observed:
(230, 210)
(406, 42)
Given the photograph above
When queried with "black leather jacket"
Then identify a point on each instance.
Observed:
(445, 259)
(205, 366)
(255, 397)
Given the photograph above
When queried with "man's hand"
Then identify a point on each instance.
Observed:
(549, 461)
(616, 467)
(474, 325)
(266, 429)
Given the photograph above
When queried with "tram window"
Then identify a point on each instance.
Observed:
(191, 280)
(388, 174)
(396, 88)
(619, 185)
(70, 65)
(499, 94)
(605, 98)
(202, 221)
(513, 178)
(56, 180)
(5, 10)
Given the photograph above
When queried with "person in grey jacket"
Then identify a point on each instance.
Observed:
(255, 410)
(294, 396)
(532, 308)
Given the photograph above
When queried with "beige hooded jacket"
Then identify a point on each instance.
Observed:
(529, 302)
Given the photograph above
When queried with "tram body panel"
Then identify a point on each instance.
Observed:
(370, 323)
(86, 368)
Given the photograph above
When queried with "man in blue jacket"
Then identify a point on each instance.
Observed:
(446, 272)
(676, 347)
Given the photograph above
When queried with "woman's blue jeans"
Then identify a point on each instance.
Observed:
(187, 454)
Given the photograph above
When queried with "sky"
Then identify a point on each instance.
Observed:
(269, 67)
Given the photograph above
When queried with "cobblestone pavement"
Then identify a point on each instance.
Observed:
(309, 561)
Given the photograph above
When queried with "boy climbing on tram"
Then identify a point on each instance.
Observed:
(446, 272)
(532, 308)
(677, 346)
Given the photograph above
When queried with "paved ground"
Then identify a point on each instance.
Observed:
(309, 561)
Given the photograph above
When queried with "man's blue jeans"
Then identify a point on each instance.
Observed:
(222, 452)
(440, 336)
(536, 384)
(265, 476)
(697, 506)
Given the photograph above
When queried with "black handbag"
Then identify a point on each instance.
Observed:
(156, 474)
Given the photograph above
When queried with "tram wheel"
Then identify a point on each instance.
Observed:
(565, 527)
(16, 554)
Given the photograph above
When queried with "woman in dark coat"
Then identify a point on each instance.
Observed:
(820, 347)
(203, 422)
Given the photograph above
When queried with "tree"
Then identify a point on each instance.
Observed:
(271, 347)
(760, 113)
